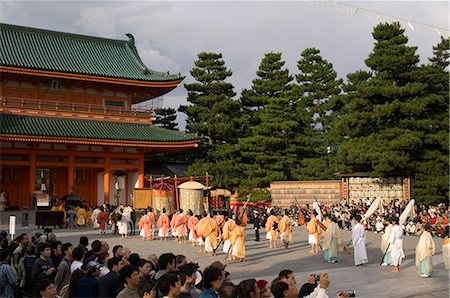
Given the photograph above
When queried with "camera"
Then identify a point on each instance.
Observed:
(317, 277)
(347, 293)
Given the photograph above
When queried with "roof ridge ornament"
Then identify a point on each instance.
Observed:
(131, 43)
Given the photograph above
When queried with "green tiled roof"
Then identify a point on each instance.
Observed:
(88, 129)
(39, 49)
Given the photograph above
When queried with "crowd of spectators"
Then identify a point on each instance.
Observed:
(44, 267)
(435, 215)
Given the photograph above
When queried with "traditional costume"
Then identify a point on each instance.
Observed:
(211, 237)
(192, 221)
(313, 231)
(102, 219)
(285, 229)
(359, 244)
(385, 247)
(181, 226)
(163, 225)
(332, 244)
(271, 230)
(425, 249)
(173, 224)
(396, 241)
(237, 241)
(228, 227)
(94, 215)
(81, 217)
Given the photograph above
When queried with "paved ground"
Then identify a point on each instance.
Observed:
(368, 281)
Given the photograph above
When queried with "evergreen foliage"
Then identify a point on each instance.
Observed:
(430, 182)
(214, 115)
(317, 84)
(165, 117)
(266, 150)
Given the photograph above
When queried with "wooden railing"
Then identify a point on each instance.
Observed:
(60, 106)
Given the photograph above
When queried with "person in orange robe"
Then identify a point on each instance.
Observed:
(89, 217)
(220, 219)
(181, 226)
(243, 216)
(173, 225)
(163, 225)
(211, 237)
(301, 218)
(202, 229)
(102, 219)
(237, 242)
(285, 229)
(271, 229)
(313, 231)
(192, 221)
(148, 224)
(228, 227)
(141, 225)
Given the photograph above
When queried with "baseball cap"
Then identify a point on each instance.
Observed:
(93, 265)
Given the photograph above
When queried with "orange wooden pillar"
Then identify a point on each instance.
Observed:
(107, 175)
(141, 171)
(71, 171)
(32, 171)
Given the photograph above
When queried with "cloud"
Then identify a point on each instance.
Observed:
(98, 21)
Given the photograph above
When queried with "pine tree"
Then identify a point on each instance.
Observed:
(380, 121)
(214, 115)
(431, 165)
(267, 153)
(165, 117)
(316, 88)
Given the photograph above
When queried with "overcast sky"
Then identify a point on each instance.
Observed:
(169, 34)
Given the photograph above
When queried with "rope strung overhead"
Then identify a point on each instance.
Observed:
(378, 17)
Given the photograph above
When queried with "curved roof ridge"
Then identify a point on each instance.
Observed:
(41, 49)
(12, 27)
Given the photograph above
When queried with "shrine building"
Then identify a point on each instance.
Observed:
(66, 115)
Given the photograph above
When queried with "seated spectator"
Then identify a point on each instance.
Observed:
(92, 255)
(78, 256)
(264, 288)
(321, 290)
(189, 278)
(212, 282)
(117, 251)
(46, 289)
(228, 290)
(410, 229)
(169, 285)
(308, 287)
(134, 258)
(166, 263)
(145, 289)
(43, 266)
(103, 259)
(180, 260)
(88, 285)
(109, 284)
(8, 280)
(248, 288)
(144, 268)
(84, 242)
(129, 276)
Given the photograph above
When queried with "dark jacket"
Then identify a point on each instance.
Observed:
(109, 285)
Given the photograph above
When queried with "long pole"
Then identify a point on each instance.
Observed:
(387, 248)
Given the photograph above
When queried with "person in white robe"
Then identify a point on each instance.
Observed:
(385, 246)
(332, 244)
(123, 222)
(95, 213)
(396, 243)
(425, 249)
(359, 242)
